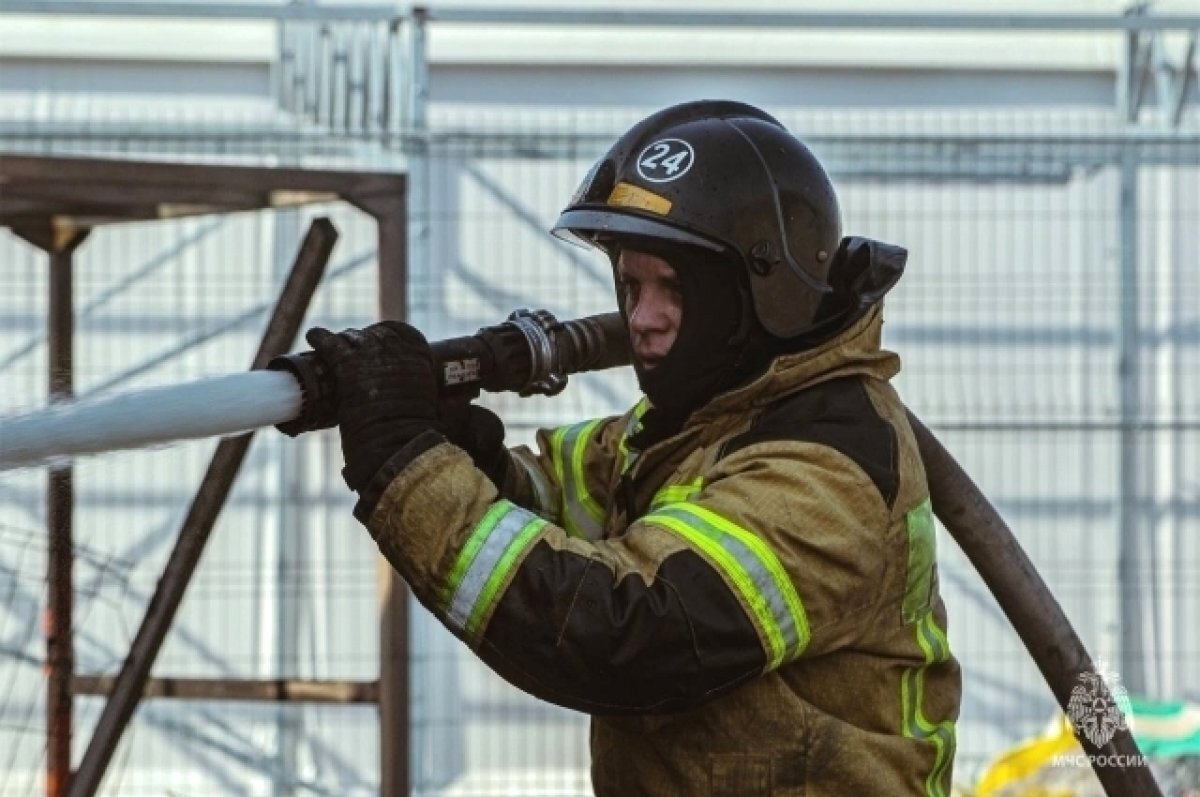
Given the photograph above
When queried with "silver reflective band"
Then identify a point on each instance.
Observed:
(499, 537)
(755, 570)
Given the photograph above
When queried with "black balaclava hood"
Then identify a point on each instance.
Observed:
(712, 347)
(721, 344)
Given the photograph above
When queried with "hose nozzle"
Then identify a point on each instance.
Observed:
(529, 353)
(318, 391)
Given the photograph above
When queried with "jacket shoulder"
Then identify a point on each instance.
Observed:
(839, 414)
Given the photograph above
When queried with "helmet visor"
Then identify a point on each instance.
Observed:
(584, 227)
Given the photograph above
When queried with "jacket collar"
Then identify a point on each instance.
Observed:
(856, 350)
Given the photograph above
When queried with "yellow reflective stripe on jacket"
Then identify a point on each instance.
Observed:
(491, 551)
(922, 553)
(753, 568)
(932, 641)
(631, 428)
(582, 516)
(676, 493)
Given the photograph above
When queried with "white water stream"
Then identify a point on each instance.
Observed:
(222, 405)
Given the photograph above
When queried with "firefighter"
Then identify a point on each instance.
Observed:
(736, 578)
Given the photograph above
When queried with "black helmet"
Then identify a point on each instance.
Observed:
(726, 177)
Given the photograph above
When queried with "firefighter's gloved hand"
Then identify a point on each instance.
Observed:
(480, 432)
(387, 402)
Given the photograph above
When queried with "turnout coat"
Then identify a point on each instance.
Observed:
(748, 608)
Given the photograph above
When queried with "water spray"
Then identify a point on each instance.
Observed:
(529, 353)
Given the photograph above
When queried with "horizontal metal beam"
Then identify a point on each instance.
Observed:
(90, 174)
(823, 20)
(281, 690)
(1015, 157)
(501, 139)
(1021, 159)
(81, 192)
(614, 16)
(197, 10)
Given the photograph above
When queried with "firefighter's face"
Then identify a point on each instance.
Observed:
(653, 304)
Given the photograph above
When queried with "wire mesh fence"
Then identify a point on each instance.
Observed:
(1048, 328)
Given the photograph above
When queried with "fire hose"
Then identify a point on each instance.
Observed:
(529, 353)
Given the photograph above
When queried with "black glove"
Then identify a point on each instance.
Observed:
(387, 397)
(479, 432)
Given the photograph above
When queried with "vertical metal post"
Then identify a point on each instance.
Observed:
(394, 775)
(392, 110)
(1130, 82)
(391, 216)
(1178, 619)
(291, 539)
(60, 507)
(1135, 625)
(59, 244)
(278, 69)
(417, 149)
(403, 251)
(418, 94)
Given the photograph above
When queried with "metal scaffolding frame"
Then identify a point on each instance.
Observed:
(54, 204)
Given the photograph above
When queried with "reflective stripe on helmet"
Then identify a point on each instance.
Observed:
(491, 552)
(582, 516)
(628, 195)
(914, 725)
(754, 570)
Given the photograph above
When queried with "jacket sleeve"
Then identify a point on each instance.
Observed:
(567, 481)
(768, 561)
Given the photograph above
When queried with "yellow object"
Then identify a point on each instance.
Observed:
(627, 195)
(1026, 760)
